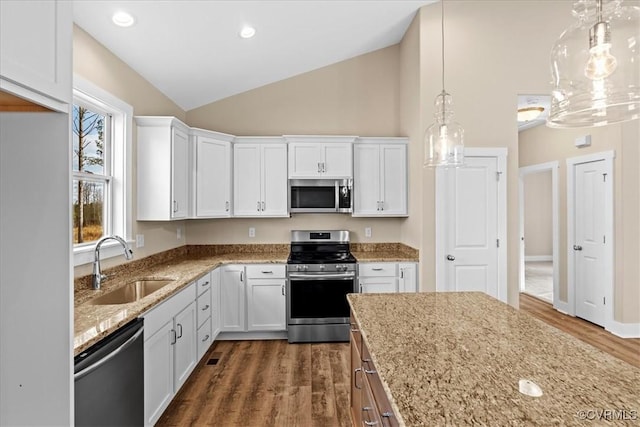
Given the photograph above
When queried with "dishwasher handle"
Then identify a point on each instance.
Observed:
(110, 356)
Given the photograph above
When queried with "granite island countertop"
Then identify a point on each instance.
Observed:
(457, 358)
(182, 266)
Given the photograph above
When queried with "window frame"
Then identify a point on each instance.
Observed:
(118, 219)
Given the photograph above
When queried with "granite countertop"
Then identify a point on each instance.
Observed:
(457, 358)
(182, 266)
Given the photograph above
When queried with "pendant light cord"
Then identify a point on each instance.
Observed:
(442, 29)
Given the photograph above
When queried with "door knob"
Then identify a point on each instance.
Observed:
(577, 247)
(451, 258)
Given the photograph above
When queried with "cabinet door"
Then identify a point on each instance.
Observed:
(305, 160)
(378, 285)
(179, 174)
(274, 180)
(158, 372)
(215, 303)
(393, 179)
(337, 160)
(366, 180)
(266, 310)
(246, 174)
(408, 278)
(213, 178)
(35, 51)
(185, 348)
(357, 378)
(232, 298)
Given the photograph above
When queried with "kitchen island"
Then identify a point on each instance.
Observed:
(458, 358)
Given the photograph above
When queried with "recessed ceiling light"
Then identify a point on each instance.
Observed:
(123, 19)
(247, 32)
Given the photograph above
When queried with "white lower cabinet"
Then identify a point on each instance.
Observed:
(252, 298)
(232, 298)
(169, 350)
(266, 300)
(408, 277)
(387, 277)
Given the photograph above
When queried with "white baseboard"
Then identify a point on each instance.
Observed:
(562, 307)
(533, 258)
(624, 330)
(236, 336)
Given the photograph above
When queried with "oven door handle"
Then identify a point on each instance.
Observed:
(323, 276)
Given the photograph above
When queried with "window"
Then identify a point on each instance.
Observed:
(101, 128)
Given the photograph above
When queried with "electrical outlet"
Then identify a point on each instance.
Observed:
(252, 232)
(179, 232)
(367, 232)
(139, 240)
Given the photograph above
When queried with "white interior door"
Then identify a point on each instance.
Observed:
(590, 240)
(469, 227)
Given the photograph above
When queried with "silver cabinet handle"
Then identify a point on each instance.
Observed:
(226, 206)
(175, 337)
(577, 247)
(282, 289)
(402, 273)
(205, 338)
(258, 207)
(451, 258)
(266, 272)
(319, 169)
(366, 409)
(205, 308)
(175, 206)
(355, 378)
(263, 206)
(241, 276)
(377, 269)
(180, 333)
(381, 205)
(205, 283)
(323, 168)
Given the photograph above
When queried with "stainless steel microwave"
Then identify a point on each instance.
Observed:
(320, 196)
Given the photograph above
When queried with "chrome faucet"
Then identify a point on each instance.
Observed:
(98, 277)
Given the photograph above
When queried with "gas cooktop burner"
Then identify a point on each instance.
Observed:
(320, 247)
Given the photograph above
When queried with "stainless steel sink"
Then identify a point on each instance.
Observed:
(131, 292)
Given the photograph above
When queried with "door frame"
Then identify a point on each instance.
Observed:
(607, 157)
(524, 171)
(500, 153)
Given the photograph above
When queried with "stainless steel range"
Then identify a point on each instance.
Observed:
(321, 271)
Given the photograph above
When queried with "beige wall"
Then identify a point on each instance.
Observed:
(541, 144)
(538, 219)
(359, 96)
(95, 63)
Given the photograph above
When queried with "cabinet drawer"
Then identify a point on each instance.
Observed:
(377, 269)
(204, 307)
(266, 271)
(204, 339)
(204, 283)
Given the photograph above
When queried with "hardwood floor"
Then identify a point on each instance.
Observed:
(273, 383)
(622, 348)
(266, 383)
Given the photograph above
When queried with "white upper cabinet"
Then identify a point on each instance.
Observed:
(319, 157)
(211, 174)
(380, 177)
(163, 168)
(35, 51)
(260, 177)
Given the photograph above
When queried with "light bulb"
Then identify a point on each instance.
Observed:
(601, 63)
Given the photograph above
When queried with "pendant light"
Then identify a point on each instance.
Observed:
(444, 140)
(595, 65)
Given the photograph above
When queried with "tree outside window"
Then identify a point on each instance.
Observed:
(91, 174)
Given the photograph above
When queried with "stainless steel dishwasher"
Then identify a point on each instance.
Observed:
(109, 380)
